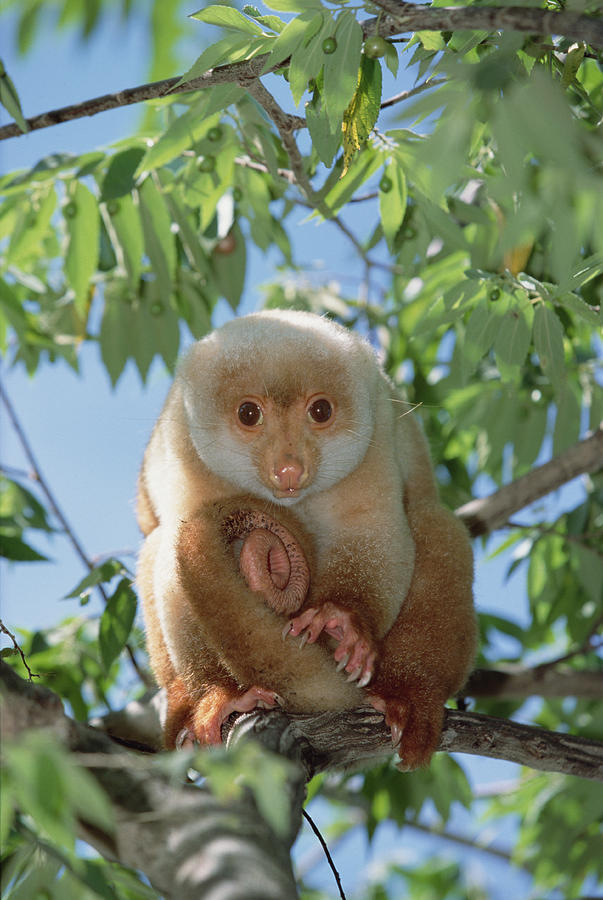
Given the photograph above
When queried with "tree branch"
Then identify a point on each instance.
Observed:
(402, 17)
(517, 683)
(359, 737)
(354, 738)
(490, 513)
(151, 91)
(187, 843)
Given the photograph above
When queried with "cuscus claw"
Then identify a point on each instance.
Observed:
(343, 662)
(355, 653)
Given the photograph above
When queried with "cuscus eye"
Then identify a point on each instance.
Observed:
(250, 414)
(320, 411)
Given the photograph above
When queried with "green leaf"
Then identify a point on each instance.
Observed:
(272, 22)
(188, 231)
(118, 325)
(227, 17)
(361, 169)
(32, 226)
(392, 60)
(116, 623)
(341, 67)
(105, 572)
(572, 63)
(204, 189)
(229, 49)
(548, 342)
(229, 269)
(12, 547)
(567, 420)
(576, 305)
(307, 59)
(363, 111)
(293, 5)
(324, 140)
(48, 786)
(83, 228)
(9, 99)
(121, 173)
(392, 203)
(158, 237)
(431, 40)
(297, 30)
(589, 571)
(125, 230)
(187, 129)
(157, 329)
(514, 334)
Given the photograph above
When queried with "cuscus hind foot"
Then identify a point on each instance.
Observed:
(416, 726)
(355, 653)
(216, 705)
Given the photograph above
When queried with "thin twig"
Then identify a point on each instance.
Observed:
(30, 675)
(44, 484)
(60, 515)
(284, 124)
(418, 89)
(323, 844)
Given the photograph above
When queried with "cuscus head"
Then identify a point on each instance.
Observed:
(279, 402)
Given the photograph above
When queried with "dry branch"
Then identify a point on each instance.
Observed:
(489, 513)
(356, 737)
(402, 17)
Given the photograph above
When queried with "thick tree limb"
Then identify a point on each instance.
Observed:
(489, 513)
(402, 17)
(357, 737)
(138, 724)
(517, 683)
(187, 843)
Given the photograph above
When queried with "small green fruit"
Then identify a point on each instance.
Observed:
(329, 45)
(112, 207)
(207, 164)
(214, 134)
(375, 46)
(494, 294)
(386, 184)
(70, 210)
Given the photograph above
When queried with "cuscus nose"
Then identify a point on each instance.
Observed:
(290, 476)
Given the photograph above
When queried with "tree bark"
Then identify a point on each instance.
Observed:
(186, 842)
(355, 738)
(489, 513)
